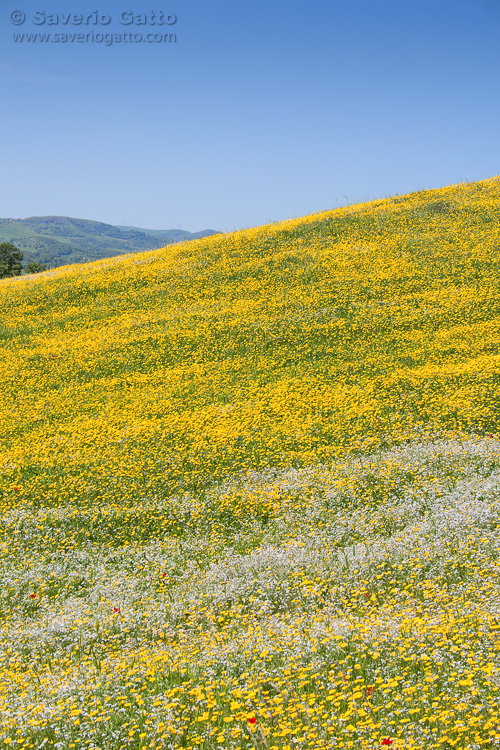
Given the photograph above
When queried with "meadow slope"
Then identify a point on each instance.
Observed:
(250, 487)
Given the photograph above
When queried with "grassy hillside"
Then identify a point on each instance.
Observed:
(251, 487)
(60, 240)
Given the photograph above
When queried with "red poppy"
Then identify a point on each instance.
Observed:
(32, 596)
(116, 609)
(252, 720)
(386, 741)
(164, 575)
(16, 489)
(369, 690)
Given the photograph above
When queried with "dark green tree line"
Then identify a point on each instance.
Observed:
(10, 260)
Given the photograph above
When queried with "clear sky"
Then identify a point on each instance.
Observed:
(260, 110)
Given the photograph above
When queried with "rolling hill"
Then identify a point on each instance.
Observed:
(250, 487)
(60, 240)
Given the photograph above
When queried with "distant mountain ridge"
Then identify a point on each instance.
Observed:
(175, 235)
(62, 240)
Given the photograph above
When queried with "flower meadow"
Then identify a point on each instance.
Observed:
(250, 487)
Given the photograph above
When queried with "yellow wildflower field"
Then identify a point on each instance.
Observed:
(250, 487)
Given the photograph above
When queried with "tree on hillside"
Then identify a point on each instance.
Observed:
(34, 267)
(10, 260)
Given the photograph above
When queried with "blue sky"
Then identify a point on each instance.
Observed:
(259, 111)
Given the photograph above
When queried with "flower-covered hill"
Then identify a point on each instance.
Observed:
(250, 487)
